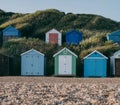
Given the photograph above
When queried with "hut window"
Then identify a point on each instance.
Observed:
(26, 72)
(38, 73)
(31, 72)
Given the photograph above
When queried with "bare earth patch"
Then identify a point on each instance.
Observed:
(59, 91)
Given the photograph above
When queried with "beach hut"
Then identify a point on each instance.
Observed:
(5, 65)
(114, 36)
(73, 37)
(10, 32)
(95, 65)
(53, 36)
(65, 63)
(115, 64)
(32, 63)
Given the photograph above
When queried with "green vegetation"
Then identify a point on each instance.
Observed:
(34, 26)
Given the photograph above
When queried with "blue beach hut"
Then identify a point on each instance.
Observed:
(114, 36)
(73, 37)
(32, 63)
(95, 65)
(10, 32)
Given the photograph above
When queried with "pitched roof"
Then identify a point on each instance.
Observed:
(74, 31)
(56, 31)
(32, 50)
(9, 28)
(117, 52)
(114, 33)
(96, 52)
(67, 50)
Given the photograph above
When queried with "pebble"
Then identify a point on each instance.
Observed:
(59, 91)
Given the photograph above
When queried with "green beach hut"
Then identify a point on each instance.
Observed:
(65, 63)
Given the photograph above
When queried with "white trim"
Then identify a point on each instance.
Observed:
(56, 31)
(32, 50)
(107, 36)
(67, 50)
(116, 53)
(95, 57)
(114, 66)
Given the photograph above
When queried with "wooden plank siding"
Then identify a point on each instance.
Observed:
(95, 65)
(10, 33)
(32, 63)
(73, 37)
(65, 52)
(117, 67)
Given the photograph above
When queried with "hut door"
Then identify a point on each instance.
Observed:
(117, 67)
(30, 64)
(53, 38)
(99, 67)
(27, 65)
(65, 64)
(35, 65)
(38, 65)
(90, 67)
(31, 69)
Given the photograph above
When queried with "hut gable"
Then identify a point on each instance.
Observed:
(65, 62)
(73, 37)
(32, 51)
(32, 63)
(117, 54)
(11, 31)
(65, 51)
(96, 54)
(114, 36)
(54, 37)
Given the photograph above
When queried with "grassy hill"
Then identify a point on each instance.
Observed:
(35, 25)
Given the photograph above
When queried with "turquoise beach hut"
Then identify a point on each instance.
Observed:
(95, 65)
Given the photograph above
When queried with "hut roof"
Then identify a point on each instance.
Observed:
(67, 50)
